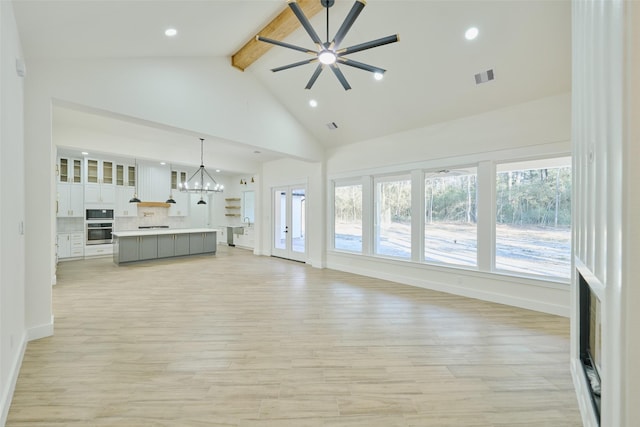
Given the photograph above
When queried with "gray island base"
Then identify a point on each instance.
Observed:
(142, 245)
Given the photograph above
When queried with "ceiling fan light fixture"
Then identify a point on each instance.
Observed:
(327, 57)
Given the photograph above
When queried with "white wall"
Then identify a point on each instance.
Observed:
(534, 129)
(606, 141)
(545, 121)
(199, 95)
(13, 334)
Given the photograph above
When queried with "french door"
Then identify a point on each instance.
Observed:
(289, 222)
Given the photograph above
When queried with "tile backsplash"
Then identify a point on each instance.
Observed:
(70, 225)
(148, 217)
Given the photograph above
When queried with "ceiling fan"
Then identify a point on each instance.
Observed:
(329, 53)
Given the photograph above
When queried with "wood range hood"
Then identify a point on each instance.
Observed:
(154, 205)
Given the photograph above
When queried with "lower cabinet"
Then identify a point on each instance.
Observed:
(126, 249)
(139, 248)
(173, 245)
(136, 248)
(70, 245)
(148, 247)
(202, 243)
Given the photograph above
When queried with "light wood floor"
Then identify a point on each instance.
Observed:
(239, 340)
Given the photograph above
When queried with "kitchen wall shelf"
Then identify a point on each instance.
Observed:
(231, 214)
(154, 205)
(233, 199)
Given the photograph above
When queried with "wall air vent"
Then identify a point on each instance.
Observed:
(332, 125)
(484, 77)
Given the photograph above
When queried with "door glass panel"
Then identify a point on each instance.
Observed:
(298, 213)
(280, 228)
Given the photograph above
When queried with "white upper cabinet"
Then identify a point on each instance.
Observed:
(70, 200)
(99, 189)
(181, 207)
(100, 171)
(69, 170)
(125, 175)
(123, 207)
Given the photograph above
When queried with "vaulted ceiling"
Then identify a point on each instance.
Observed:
(430, 76)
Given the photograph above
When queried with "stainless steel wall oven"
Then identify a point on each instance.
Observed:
(99, 233)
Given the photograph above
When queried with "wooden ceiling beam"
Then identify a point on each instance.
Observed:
(278, 29)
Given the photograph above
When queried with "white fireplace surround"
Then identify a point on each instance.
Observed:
(606, 200)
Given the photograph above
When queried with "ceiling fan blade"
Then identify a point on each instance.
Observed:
(362, 66)
(287, 45)
(295, 64)
(348, 22)
(315, 75)
(295, 8)
(340, 76)
(368, 45)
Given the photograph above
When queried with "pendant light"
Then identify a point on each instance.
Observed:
(205, 184)
(135, 199)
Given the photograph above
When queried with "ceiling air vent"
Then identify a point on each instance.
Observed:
(332, 125)
(484, 77)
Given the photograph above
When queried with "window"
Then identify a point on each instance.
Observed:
(393, 217)
(533, 217)
(450, 229)
(348, 217)
(248, 206)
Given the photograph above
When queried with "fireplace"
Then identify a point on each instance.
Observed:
(590, 315)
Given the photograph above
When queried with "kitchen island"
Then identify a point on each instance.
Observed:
(141, 245)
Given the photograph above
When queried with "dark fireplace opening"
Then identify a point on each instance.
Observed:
(590, 340)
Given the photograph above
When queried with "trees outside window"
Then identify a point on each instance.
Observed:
(450, 223)
(348, 218)
(393, 217)
(531, 202)
(533, 217)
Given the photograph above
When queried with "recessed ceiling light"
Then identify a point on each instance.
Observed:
(170, 32)
(84, 153)
(163, 163)
(378, 76)
(218, 170)
(471, 33)
(313, 103)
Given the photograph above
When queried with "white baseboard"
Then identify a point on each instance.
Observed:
(40, 331)
(12, 378)
(469, 292)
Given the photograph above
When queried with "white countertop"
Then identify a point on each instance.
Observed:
(159, 231)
